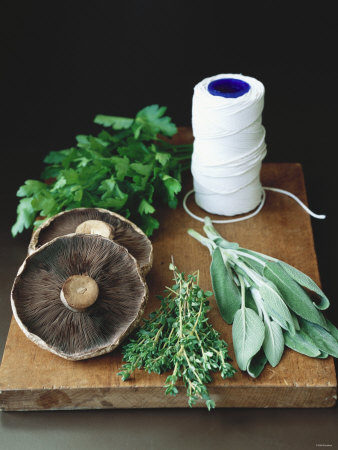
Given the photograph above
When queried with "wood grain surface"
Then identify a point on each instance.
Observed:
(34, 379)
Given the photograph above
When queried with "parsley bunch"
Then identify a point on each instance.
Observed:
(178, 337)
(126, 168)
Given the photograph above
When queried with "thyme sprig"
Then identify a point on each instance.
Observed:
(179, 337)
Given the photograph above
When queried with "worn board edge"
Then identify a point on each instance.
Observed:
(225, 393)
(154, 397)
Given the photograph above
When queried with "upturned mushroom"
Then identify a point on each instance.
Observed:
(96, 221)
(79, 296)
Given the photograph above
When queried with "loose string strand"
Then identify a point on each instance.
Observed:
(256, 211)
(308, 210)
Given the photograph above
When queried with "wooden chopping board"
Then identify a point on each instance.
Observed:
(34, 379)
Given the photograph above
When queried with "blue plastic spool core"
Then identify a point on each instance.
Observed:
(228, 87)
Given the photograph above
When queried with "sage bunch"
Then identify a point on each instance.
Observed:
(269, 303)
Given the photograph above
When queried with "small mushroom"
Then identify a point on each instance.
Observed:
(95, 227)
(96, 221)
(79, 296)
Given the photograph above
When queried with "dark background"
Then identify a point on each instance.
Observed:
(63, 63)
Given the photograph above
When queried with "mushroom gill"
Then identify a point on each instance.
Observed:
(96, 221)
(96, 327)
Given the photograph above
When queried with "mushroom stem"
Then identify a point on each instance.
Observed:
(95, 227)
(79, 292)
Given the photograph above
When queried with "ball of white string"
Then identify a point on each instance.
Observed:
(228, 151)
(229, 147)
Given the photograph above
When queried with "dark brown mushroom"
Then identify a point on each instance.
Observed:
(79, 296)
(96, 221)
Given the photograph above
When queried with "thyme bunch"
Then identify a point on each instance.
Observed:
(179, 337)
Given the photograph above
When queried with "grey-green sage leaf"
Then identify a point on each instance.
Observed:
(332, 329)
(301, 343)
(250, 302)
(305, 281)
(259, 268)
(256, 364)
(322, 338)
(247, 334)
(226, 292)
(273, 344)
(293, 294)
(276, 307)
(225, 244)
(295, 321)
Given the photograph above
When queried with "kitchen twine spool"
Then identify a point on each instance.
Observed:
(229, 148)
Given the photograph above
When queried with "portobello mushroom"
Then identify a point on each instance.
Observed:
(79, 296)
(96, 221)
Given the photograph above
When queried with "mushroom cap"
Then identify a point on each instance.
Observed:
(125, 232)
(71, 334)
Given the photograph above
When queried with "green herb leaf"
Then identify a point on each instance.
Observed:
(57, 157)
(151, 121)
(276, 307)
(256, 266)
(322, 338)
(332, 329)
(145, 207)
(172, 185)
(121, 166)
(45, 203)
(222, 243)
(149, 224)
(248, 335)
(142, 169)
(293, 295)
(308, 283)
(295, 321)
(250, 302)
(256, 364)
(112, 203)
(25, 216)
(31, 187)
(273, 344)
(301, 343)
(227, 294)
(117, 123)
(162, 158)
